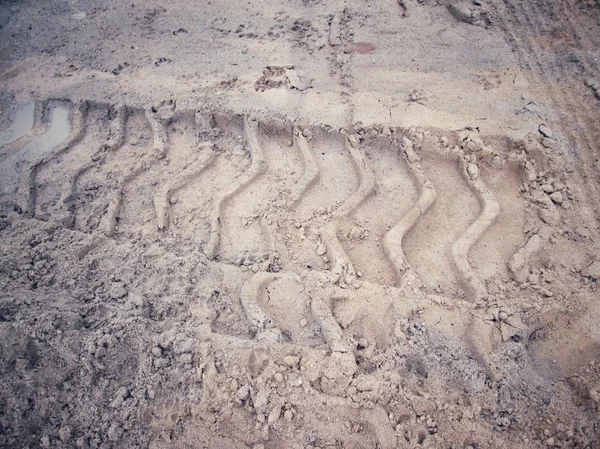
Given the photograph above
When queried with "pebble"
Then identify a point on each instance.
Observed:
(117, 290)
(321, 249)
(548, 143)
(557, 197)
(545, 131)
(551, 217)
(303, 322)
(473, 171)
(592, 271)
(291, 360)
(243, 392)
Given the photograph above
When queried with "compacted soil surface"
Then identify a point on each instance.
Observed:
(299, 224)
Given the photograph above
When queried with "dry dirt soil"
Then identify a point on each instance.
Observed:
(299, 224)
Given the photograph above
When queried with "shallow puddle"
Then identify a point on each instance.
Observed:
(11, 164)
(22, 124)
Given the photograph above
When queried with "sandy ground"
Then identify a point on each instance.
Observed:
(299, 224)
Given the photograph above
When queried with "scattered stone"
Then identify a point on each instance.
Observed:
(321, 249)
(467, 12)
(473, 171)
(298, 80)
(181, 346)
(274, 415)
(243, 392)
(117, 290)
(115, 432)
(258, 361)
(548, 143)
(549, 216)
(291, 361)
(545, 131)
(422, 406)
(557, 197)
(592, 271)
(583, 232)
(518, 263)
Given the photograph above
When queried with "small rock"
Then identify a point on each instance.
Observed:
(274, 415)
(548, 143)
(243, 392)
(557, 197)
(583, 232)
(156, 351)
(117, 290)
(183, 345)
(303, 322)
(45, 441)
(65, 433)
(321, 249)
(592, 83)
(299, 80)
(547, 188)
(473, 171)
(422, 406)
(288, 415)
(114, 432)
(592, 271)
(545, 131)
(549, 216)
(291, 360)
(355, 233)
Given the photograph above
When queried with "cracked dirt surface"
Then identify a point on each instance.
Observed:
(299, 224)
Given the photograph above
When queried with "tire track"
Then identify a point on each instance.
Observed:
(427, 247)
(311, 169)
(342, 268)
(257, 168)
(116, 140)
(393, 240)
(204, 160)
(27, 184)
(474, 286)
(108, 223)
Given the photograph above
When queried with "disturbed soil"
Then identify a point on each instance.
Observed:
(299, 224)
